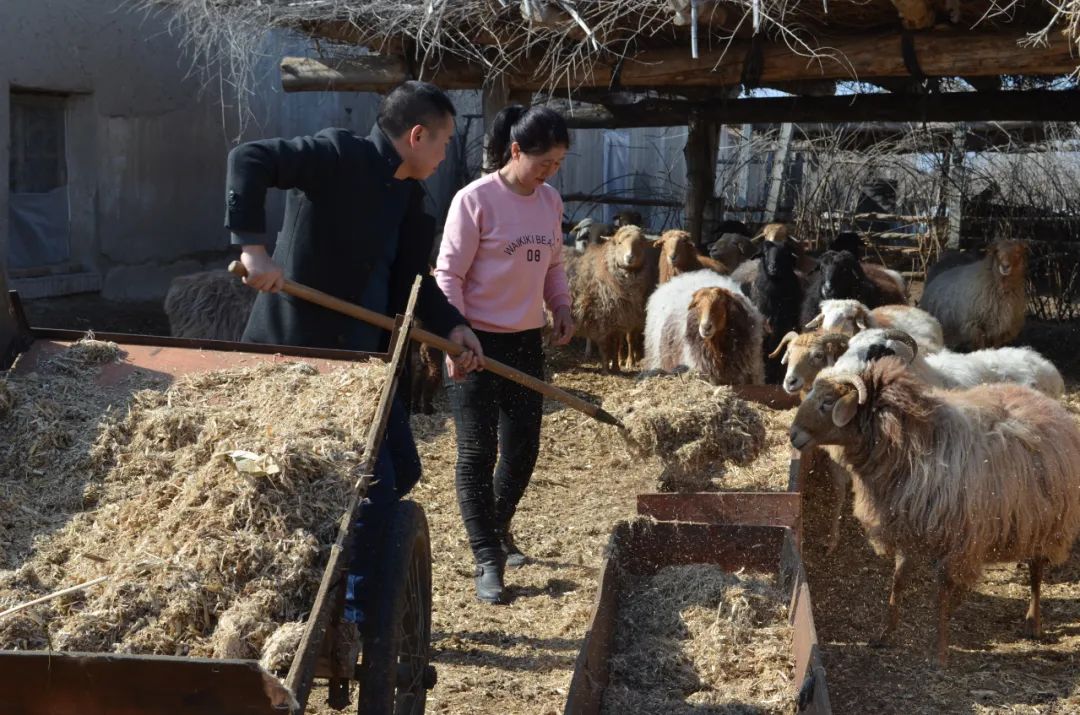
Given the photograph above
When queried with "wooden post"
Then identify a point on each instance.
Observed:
(494, 96)
(702, 144)
(779, 165)
(954, 188)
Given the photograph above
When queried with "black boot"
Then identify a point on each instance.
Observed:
(514, 557)
(489, 582)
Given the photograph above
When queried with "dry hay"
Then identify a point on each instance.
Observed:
(696, 637)
(202, 559)
(694, 427)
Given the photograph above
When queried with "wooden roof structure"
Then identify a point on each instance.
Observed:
(686, 62)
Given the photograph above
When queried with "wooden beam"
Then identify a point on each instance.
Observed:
(916, 14)
(1030, 105)
(616, 199)
(942, 54)
(369, 73)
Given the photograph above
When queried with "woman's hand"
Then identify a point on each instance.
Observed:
(563, 327)
(473, 357)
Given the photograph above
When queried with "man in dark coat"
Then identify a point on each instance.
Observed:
(354, 228)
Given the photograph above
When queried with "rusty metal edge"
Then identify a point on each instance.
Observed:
(624, 555)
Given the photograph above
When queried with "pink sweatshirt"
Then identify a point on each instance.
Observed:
(501, 256)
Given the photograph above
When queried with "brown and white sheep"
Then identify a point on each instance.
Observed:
(849, 316)
(608, 284)
(678, 255)
(211, 305)
(981, 304)
(958, 478)
(702, 320)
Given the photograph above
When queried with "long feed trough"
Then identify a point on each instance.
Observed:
(735, 602)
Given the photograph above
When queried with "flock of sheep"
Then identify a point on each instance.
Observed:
(955, 445)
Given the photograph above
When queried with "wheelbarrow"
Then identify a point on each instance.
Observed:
(393, 672)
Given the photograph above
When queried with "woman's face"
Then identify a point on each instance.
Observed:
(532, 170)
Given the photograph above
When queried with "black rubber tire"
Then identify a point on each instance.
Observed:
(394, 665)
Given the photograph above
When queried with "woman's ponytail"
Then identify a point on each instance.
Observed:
(499, 139)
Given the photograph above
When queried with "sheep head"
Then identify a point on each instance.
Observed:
(1009, 258)
(877, 343)
(777, 259)
(842, 315)
(627, 248)
(678, 250)
(709, 306)
(841, 274)
(826, 415)
(807, 355)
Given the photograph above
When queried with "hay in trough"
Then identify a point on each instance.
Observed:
(203, 559)
(697, 637)
(694, 427)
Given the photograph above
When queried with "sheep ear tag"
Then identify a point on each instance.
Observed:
(845, 408)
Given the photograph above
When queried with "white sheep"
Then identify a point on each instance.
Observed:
(1022, 366)
(849, 316)
(703, 321)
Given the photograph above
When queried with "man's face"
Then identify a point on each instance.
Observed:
(425, 148)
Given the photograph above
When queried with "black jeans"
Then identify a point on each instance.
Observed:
(496, 418)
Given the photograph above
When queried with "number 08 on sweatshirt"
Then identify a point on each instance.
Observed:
(501, 257)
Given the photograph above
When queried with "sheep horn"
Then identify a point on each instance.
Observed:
(816, 322)
(906, 339)
(788, 337)
(847, 378)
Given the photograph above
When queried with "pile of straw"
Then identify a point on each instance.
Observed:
(694, 427)
(697, 638)
(201, 558)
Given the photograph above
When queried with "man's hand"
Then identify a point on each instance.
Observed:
(563, 327)
(471, 359)
(263, 273)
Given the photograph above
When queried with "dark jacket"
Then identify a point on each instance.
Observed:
(332, 232)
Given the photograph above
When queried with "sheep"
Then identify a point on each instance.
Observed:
(732, 249)
(747, 272)
(963, 478)
(678, 256)
(850, 316)
(805, 356)
(211, 305)
(840, 275)
(848, 241)
(777, 294)
(608, 285)
(703, 321)
(947, 369)
(589, 232)
(982, 304)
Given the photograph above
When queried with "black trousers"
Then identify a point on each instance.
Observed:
(498, 438)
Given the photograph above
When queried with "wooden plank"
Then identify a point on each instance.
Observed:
(743, 508)
(302, 671)
(53, 683)
(881, 109)
(865, 57)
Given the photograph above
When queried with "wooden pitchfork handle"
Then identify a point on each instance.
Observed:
(317, 297)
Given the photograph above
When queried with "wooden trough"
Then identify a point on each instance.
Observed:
(642, 547)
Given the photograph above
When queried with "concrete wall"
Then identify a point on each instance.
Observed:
(146, 141)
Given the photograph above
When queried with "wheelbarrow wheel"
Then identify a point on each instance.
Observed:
(394, 673)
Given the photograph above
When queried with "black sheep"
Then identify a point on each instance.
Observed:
(777, 293)
(848, 241)
(840, 275)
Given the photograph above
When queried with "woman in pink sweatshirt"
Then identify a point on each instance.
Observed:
(500, 262)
